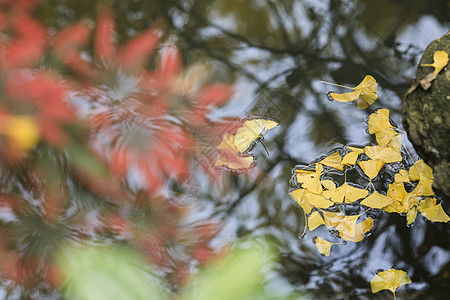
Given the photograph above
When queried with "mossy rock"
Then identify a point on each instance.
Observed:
(426, 116)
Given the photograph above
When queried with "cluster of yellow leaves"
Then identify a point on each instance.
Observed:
(317, 194)
(364, 93)
(389, 280)
(231, 152)
(22, 131)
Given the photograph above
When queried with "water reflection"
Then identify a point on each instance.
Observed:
(279, 50)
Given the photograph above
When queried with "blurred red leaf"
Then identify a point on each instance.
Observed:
(68, 44)
(169, 63)
(104, 47)
(137, 51)
(214, 94)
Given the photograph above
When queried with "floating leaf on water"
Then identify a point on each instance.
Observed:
(371, 167)
(333, 160)
(250, 131)
(298, 196)
(402, 176)
(420, 168)
(431, 211)
(424, 187)
(361, 229)
(385, 136)
(315, 220)
(228, 156)
(345, 194)
(323, 246)
(317, 200)
(378, 121)
(389, 280)
(350, 158)
(365, 93)
(403, 201)
(385, 154)
(411, 215)
(377, 200)
(328, 184)
(311, 180)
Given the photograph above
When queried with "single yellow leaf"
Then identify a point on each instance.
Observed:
(396, 143)
(250, 131)
(350, 158)
(397, 191)
(385, 154)
(23, 131)
(389, 280)
(317, 200)
(434, 213)
(361, 229)
(379, 120)
(427, 203)
(402, 176)
(323, 246)
(315, 220)
(328, 184)
(298, 196)
(371, 167)
(345, 194)
(385, 136)
(440, 60)
(420, 168)
(332, 219)
(348, 225)
(333, 160)
(411, 215)
(356, 149)
(228, 156)
(424, 187)
(365, 93)
(377, 200)
(311, 180)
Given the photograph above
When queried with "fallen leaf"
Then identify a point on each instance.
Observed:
(333, 160)
(385, 154)
(228, 156)
(356, 149)
(311, 180)
(317, 200)
(424, 187)
(371, 167)
(250, 131)
(440, 60)
(379, 120)
(315, 220)
(396, 143)
(431, 211)
(389, 280)
(361, 229)
(365, 93)
(298, 196)
(377, 200)
(384, 136)
(403, 201)
(420, 168)
(328, 184)
(411, 215)
(323, 246)
(345, 194)
(350, 158)
(402, 176)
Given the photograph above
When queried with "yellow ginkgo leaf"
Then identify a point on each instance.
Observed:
(433, 212)
(396, 143)
(23, 131)
(365, 92)
(402, 176)
(377, 200)
(315, 220)
(332, 219)
(384, 136)
(403, 201)
(420, 168)
(311, 180)
(424, 187)
(361, 230)
(227, 155)
(348, 225)
(323, 246)
(250, 131)
(333, 160)
(379, 120)
(411, 215)
(356, 149)
(385, 154)
(298, 196)
(440, 60)
(350, 158)
(317, 200)
(389, 280)
(345, 194)
(328, 184)
(371, 167)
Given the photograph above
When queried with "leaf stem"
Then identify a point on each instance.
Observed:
(339, 85)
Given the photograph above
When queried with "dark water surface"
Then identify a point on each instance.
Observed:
(276, 53)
